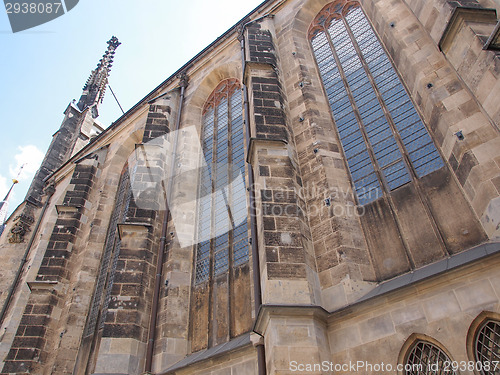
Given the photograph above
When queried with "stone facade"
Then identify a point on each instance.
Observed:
(118, 277)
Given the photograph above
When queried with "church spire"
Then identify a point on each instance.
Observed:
(94, 89)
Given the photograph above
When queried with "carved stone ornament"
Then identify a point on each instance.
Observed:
(21, 227)
(183, 79)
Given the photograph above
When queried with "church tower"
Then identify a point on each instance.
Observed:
(25, 226)
(94, 89)
(77, 129)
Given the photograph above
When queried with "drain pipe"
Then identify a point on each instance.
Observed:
(261, 353)
(50, 191)
(161, 248)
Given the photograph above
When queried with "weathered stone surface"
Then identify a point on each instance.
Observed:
(92, 268)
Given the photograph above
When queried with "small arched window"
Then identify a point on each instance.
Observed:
(425, 358)
(385, 142)
(487, 347)
(222, 218)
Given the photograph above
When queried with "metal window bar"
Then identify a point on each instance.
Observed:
(343, 112)
(392, 96)
(487, 347)
(238, 206)
(204, 227)
(223, 143)
(369, 106)
(427, 359)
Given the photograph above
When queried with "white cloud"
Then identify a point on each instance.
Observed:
(31, 157)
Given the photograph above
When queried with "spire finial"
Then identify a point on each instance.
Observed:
(95, 87)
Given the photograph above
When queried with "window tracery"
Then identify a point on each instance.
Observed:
(222, 217)
(385, 143)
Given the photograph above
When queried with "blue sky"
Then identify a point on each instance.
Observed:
(44, 68)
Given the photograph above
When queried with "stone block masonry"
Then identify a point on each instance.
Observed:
(285, 242)
(125, 331)
(37, 329)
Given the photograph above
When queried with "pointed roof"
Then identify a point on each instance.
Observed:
(95, 87)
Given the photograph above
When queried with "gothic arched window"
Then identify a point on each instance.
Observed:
(222, 219)
(426, 358)
(487, 347)
(385, 143)
(102, 294)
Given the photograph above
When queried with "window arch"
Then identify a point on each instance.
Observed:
(487, 346)
(425, 358)
(222, 217)
(385, 143)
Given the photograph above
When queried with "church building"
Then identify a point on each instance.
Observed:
(315, 192)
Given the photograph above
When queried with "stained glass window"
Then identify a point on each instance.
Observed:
(110, 257)
(385, 143)
(222, 213)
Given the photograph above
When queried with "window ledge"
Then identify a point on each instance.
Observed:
(459, 18)
(493, 42)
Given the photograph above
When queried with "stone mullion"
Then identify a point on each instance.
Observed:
(387, 114)
(409, 165)
(385, 189)
(444, 101)
(230, 234)
(200, 317)
(220, 284)
(211, 267)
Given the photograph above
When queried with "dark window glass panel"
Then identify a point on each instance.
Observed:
(203, 249)
(398, 103)
(202, 270)
(396, 175)
(221, 261)
(381, 140)
(412, 131)
(420, 155)
(361, 172)
(413, 121)
(221, 240)
(376, 133)
(222, 184)
(389, 157)
(360, 159)
(425, 164)
(241, 231)
(382, 146)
